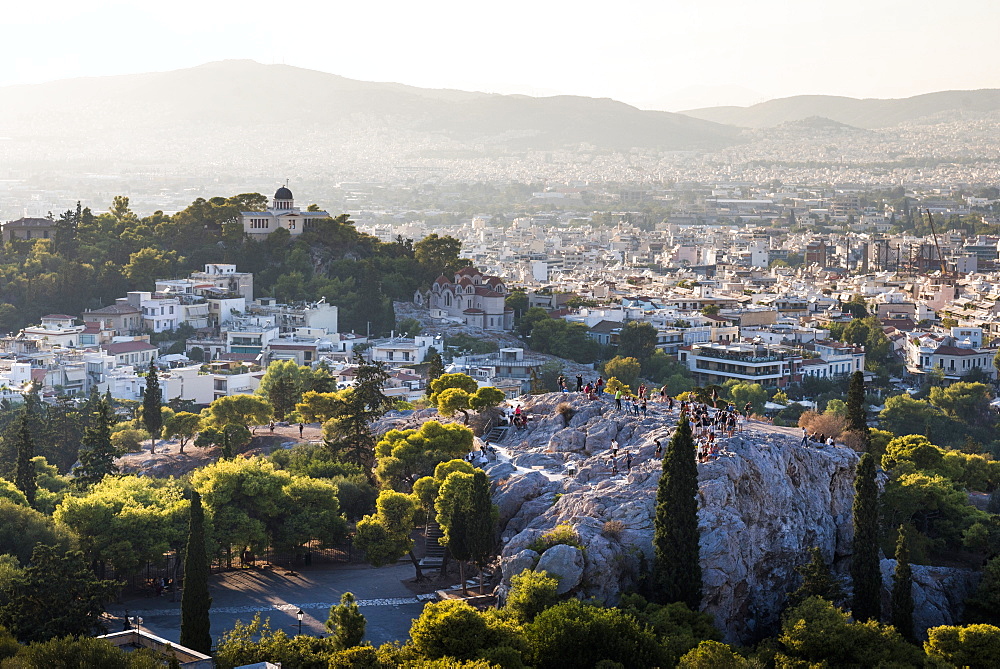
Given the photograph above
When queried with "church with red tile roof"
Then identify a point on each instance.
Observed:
(479, 300)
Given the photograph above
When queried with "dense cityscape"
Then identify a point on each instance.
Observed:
(378, 394)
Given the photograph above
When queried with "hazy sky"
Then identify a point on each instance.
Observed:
(666, 53)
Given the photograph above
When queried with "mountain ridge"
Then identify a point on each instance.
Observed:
(245, 95)
(868, 113)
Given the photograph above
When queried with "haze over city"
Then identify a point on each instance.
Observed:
(655, 55)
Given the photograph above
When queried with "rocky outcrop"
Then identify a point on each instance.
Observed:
(939, 594)
(763, 504)
(565, 563)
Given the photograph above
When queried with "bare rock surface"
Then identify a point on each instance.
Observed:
(565, 563)
(762, 505)
(939, 594)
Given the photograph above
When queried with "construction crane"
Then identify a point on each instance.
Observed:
(944, 266)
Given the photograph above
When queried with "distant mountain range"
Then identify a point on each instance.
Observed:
(868, 113)
(252, 100)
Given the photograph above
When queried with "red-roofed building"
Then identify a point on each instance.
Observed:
(472, 296)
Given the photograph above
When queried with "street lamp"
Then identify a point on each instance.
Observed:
(300, 614)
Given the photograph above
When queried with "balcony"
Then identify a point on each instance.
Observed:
(749, 357)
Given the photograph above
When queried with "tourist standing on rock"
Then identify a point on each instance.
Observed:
(618, 397)
(659, 448)
(805, 437)
(614, 447)
(600, 385)
(271, 425)
(644, 408)
(628, 460)
(579, 383)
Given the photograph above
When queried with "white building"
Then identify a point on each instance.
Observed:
(57, 330)
(402, 349)
(225, 278)
(282, 214)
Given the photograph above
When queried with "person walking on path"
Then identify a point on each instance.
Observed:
(301, 428)
(271, 425)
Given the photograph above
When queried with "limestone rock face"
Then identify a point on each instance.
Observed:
(565, 563)
(514, 491)
(515, 564)
(939, 594)
(762, 505)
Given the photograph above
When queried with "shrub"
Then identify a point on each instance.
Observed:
(563, 533)
(531, 593)
(613, 529)
(566, 410)
(129, 440)
(830, 425)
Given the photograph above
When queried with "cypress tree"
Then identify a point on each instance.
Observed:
(857, 416)
(195, 600)
(435, 367)
(677, 569)
(152, 399)
(902, 586)
(865, 572)
(24, 473)
(97, 453)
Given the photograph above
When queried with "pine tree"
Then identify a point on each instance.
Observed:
(24, 474)
(346, 622)
(195, 601)
(152, 401)
(857, 416)
(902, 586)
(97, 453)
(817, 581)
(677, 567)
(865, 572)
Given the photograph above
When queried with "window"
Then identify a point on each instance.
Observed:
(291, 225)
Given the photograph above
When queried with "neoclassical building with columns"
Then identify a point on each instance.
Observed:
(281, 214)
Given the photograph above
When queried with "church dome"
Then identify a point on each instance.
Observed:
(283, 194)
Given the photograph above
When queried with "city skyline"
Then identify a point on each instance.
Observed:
(655, 57)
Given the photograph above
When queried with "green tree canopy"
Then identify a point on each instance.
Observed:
(245, 410)
(21, 528)
(637, 340)
(574, 634)
(626, 370)
(406, 455)
(55, 595)
(817, 632)
(128, 521)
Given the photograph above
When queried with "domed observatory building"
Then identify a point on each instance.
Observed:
(281, 214)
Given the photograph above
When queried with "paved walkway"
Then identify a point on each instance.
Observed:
(388, 605)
